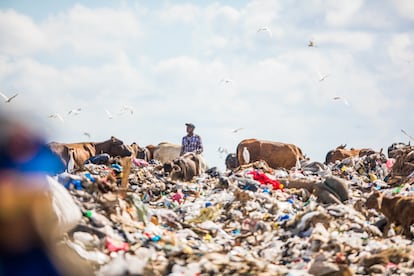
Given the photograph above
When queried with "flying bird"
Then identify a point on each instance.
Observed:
(87, 134)
(226, 80)
(324, 77)
(56, 116)
(336, 98)
(109, 114)
(312, 44)
(76, 111)
(265, 29)
(8, 99)
(124, 109)
(222, 150)
(237, 130)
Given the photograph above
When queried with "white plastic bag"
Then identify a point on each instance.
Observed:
(65, 208)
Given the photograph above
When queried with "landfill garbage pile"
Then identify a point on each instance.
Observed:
(310, 220)
(404, 162)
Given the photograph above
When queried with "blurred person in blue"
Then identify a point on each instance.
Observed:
(28, 244)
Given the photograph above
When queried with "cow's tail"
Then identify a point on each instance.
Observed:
(239, 154)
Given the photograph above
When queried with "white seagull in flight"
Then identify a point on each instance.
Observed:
(226, 80)
(265, 29)
(8, 99)
(76, 111)
(56, 116)
(126, 108)
(336, 98)
(237, 130)
(109, 114)
(324, 77)
(312, 44)
(87, 134)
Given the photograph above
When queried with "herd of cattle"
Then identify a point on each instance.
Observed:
(276, 155)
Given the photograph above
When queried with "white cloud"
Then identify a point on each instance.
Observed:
(354, 40)
(340, 13)
(260, 13)
(185, 13)
(405, 8)
(224, 14)
(19, 34)
(88, 31)
(401, 48)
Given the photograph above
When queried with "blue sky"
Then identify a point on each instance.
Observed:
(166, 59)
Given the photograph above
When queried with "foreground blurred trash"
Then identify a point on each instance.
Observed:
(34, 211)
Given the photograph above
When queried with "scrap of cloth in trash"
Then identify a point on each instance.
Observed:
(264, 179)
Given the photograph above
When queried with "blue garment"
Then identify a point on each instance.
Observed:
(191, 143)
(34, 262)
(43, 160)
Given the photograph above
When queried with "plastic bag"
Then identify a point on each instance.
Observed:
(65, 208)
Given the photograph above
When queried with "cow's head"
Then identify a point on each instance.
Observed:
(231, 161)
(176, 172)
(374, 201)
(117, 147)
(168, 167)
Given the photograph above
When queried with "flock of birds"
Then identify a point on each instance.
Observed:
(74, 112)
(311, 44)
(129, 109)
(223, 151)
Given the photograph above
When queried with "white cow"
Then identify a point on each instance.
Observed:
(165, 152)
(168, 152)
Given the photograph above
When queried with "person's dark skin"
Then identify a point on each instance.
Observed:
(190, 131)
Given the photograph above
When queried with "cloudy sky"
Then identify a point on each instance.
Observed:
(207, 63)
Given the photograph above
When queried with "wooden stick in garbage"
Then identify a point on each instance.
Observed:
(411, 138)
(126, 169)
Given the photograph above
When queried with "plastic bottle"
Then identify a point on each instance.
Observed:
(95, 221)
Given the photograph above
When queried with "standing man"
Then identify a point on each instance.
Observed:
(191, 142)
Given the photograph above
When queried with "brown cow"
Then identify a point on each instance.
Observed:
(276, 154)
(340, 153)
(83, 151)
(396, 209)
